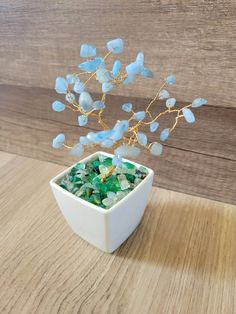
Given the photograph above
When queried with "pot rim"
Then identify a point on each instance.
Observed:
(53, 183)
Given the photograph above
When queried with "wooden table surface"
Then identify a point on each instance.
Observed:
(181, 259)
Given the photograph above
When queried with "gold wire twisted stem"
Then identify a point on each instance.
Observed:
(155, 98)
(106, 175)
(66, 146)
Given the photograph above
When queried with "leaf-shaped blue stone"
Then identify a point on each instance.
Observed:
(140, 58)
(107, 143)
(79, 87)
(116, 68)
(156, 149)
(127, 151)
(121, 126)
(154, 126)
(129, 80)
(117, 160)
(164, 94)
(82, 120)
(139, 116)
(188, 115)
(84, 140)
(58, 106)
(87, 51)
(86, 101)
(77, 150)
(70, 97)
(97, 137)
(142, 138)
(127, 107)
(115, 45)
(170, 102)
(164, 134)
(134, 68)
(103, 75)
(98, 105)
(58, 141)
(71, 78)
(90, 65)
(107, 87)
(170, 80)
(147, 73)
(198, 102)
(61, 85)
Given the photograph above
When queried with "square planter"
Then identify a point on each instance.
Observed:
(106, 229)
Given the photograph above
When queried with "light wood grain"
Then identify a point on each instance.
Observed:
(181, 259)
(199, 159)
(194, 39)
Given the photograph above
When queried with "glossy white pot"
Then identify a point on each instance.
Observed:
(105, 229)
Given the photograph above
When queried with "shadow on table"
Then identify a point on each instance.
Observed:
(198, 236)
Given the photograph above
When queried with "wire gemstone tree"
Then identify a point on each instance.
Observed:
(126, 137)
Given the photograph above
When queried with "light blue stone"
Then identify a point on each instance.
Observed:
(198, 102)
(107, 87)
(77, 150)
(91, 65)
(154, 126)
(127, 107)
(133, 69)
(121, 126)
(170, 102)
(129, 80)
(115, 46)
(142, 138)
(82, 120)
(61, 85)
(117, 160)
(147, 73)
(188, 115)
(140, 58)
(79, 87)
(116, 68)
(116, 135)
(164, 134)
(71, 78)
(170, 80)
(87, 51)
(86, 101)
(98, 105)
(164, 94)
(97, 137)
(58, 141)
(70, 97)
(103, 75)
(156, 149)
(84, 140)
(127, 151)
(107, 143)
(58, 106)
(139, 116)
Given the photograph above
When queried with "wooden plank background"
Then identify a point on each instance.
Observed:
(193, 39)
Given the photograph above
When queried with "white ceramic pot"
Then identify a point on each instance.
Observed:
(106, 229)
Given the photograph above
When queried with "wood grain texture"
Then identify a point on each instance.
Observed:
(181, 259)
(194, 39)
(199, 159)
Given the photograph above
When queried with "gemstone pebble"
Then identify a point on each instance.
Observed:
(86, 180)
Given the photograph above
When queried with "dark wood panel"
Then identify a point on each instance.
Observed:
(199, 159)
(194, 39)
